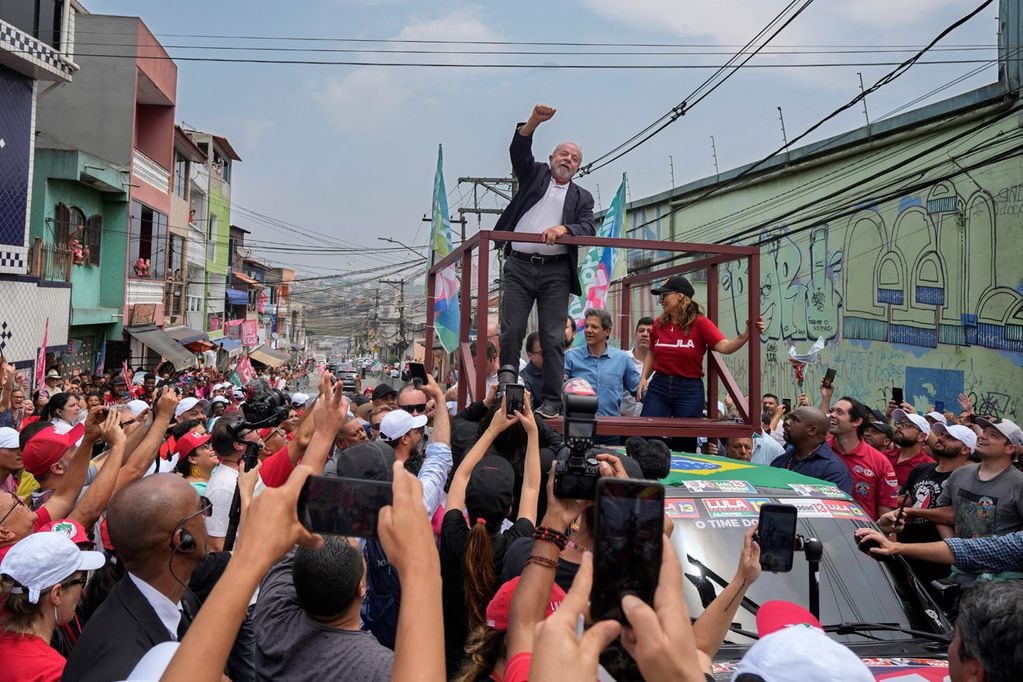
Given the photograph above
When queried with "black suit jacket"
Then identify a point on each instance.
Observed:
(534, 178)
(117, 636)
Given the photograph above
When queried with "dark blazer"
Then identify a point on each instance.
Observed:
(534, 178)
(117, 636)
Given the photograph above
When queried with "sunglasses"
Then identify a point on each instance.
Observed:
(76, 581)
(205, 508)
(17, 503)
(412, 409)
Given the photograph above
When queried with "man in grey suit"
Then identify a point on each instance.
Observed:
(548, 203)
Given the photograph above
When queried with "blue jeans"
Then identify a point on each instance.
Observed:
(670, 396)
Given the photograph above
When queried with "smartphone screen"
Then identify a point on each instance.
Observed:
(829, 377)
(776, 534)
(342, 506)
(629, 535)
(939, 406)
(514, 397)
(417, 372)
(897, 395)
(787, 402)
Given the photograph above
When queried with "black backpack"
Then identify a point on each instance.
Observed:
(383, 595)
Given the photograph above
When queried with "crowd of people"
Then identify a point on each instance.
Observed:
(149, 524)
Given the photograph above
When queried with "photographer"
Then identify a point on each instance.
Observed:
(230, 443)
(471, 556)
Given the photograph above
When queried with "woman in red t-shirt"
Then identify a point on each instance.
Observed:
(678, 344)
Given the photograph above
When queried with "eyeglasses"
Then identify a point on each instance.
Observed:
(205, 508)
(412, 409)
(17, 503)
(77, 581)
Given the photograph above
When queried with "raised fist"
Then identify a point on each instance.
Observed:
(542, 112)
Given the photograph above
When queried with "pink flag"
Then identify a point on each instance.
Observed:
(41, 360)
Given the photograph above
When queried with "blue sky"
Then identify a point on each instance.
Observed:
(350, 151)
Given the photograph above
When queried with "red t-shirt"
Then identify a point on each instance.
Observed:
(874, 482)
(517, 669)
(276, 468)
(903, 469)
(28, 658)
(680, 354)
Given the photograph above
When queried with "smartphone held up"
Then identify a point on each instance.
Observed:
(343, 506)
(776, 534)
(628, 544)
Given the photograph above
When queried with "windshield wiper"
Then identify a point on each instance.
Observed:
(746, 602)
(863, 628)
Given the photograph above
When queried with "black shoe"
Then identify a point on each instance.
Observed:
(549, 410)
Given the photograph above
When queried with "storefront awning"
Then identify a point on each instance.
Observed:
(163, 343)
(268, 357)
(232, 346)
(237, 297)
(185, 335)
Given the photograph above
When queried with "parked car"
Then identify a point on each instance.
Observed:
(876, 608)
(348, 376)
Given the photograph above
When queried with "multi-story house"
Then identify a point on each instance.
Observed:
(117, 119)
(36, 56)
(214, 180)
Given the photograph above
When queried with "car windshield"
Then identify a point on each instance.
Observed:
(853, 587)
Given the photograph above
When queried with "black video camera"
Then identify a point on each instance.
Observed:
(266, 407)
(576, 474)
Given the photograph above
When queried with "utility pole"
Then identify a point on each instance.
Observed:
(497, 186)
(671, 170)
(863, 94)
(784, 136)
(401, 312)
(714, 153)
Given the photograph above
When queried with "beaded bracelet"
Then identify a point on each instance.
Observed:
(541, 561)
(557, 538)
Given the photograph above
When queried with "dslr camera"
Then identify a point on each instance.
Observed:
(576, 474)
(266, 407)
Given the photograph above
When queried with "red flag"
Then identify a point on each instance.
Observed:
(245, 371)
(41, 359)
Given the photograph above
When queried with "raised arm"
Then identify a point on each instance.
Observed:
(530, 495)
(7, 384)
(94, 501)
(460, 481)
(329, 414)
(66, 494)
(712, 625)
(441, 419)
(729, 346)
(142, 457)
(298, 446)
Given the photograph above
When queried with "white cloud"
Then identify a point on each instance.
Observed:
(380, 97)
(733, 22)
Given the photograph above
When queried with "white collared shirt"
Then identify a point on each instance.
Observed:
(167, 611)
(547, 212)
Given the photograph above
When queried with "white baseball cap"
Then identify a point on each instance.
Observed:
(184, 406)
(963, 434)
(937, 417)
(299, 398)
(397, 423)
(9, 438)
(220, 399)
(137, 407)
(801, 652)
(918, 421)
(42, 560)
(1007, 428)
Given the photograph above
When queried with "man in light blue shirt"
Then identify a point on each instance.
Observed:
(608, 370)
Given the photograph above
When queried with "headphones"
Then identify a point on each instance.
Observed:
(183, 541)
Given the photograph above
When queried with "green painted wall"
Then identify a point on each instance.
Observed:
(96, 292)
(913, 279)
(220, 206)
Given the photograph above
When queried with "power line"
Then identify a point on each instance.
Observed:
(889, 77)
(697, 94)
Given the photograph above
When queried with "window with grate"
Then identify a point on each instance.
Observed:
(93, 238)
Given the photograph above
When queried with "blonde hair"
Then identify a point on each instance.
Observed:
(682, 314)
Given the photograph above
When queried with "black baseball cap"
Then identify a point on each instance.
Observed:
(371, 461)
(882, 426)
(675, 283)
(382, 391)
(491, 489)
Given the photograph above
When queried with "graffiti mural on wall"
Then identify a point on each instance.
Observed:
(943, 271)
(800, 291)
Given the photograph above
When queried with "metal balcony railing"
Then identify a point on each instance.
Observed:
(150, 172)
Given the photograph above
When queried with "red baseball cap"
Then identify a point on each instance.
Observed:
(778, 614)
(47, 447)
(71, 529)
(497, 609)
(190, 441)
